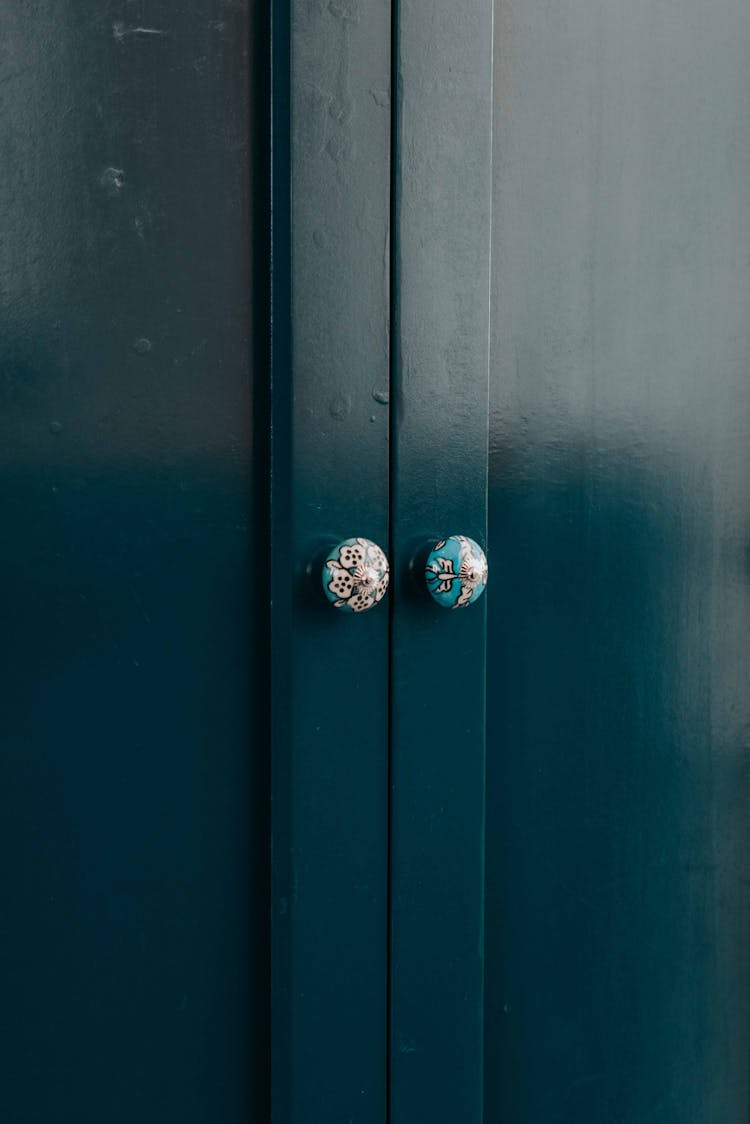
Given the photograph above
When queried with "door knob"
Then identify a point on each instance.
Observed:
(355, 575)
(456, 572)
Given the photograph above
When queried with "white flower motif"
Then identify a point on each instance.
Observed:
(342, 582)
(357, 575)
(443, 568)
(352, 556)
(374, 556)
(360, 601)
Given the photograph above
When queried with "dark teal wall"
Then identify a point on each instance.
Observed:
(617, 757)
(132, 742)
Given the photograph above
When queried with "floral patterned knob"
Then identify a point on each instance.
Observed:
(355, 575)
(456, 572)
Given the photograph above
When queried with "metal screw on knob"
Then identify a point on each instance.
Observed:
(355, 575)
(456, 572)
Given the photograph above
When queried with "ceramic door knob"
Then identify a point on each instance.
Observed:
(355, 575)
(456, 572)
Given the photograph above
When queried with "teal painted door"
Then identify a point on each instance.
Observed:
(486, 864)
(440, 327)
(329, 668)
(598, 967)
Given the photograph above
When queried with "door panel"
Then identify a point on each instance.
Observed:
(132, 743)
(617, 768)
(330, 482)
(438, 487)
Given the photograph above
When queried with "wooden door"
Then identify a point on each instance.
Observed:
(612, 918)
(510, 276)
(618, 703)
(329, 422)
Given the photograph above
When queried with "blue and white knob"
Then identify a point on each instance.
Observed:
(456, 572)
(355, 575)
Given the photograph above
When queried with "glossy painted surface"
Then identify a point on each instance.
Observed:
(618, 945)
(355, 575)
(456, 572)
(439, 472)
(330, 475)
(132, 743)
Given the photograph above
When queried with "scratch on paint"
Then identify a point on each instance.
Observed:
(120, 31)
